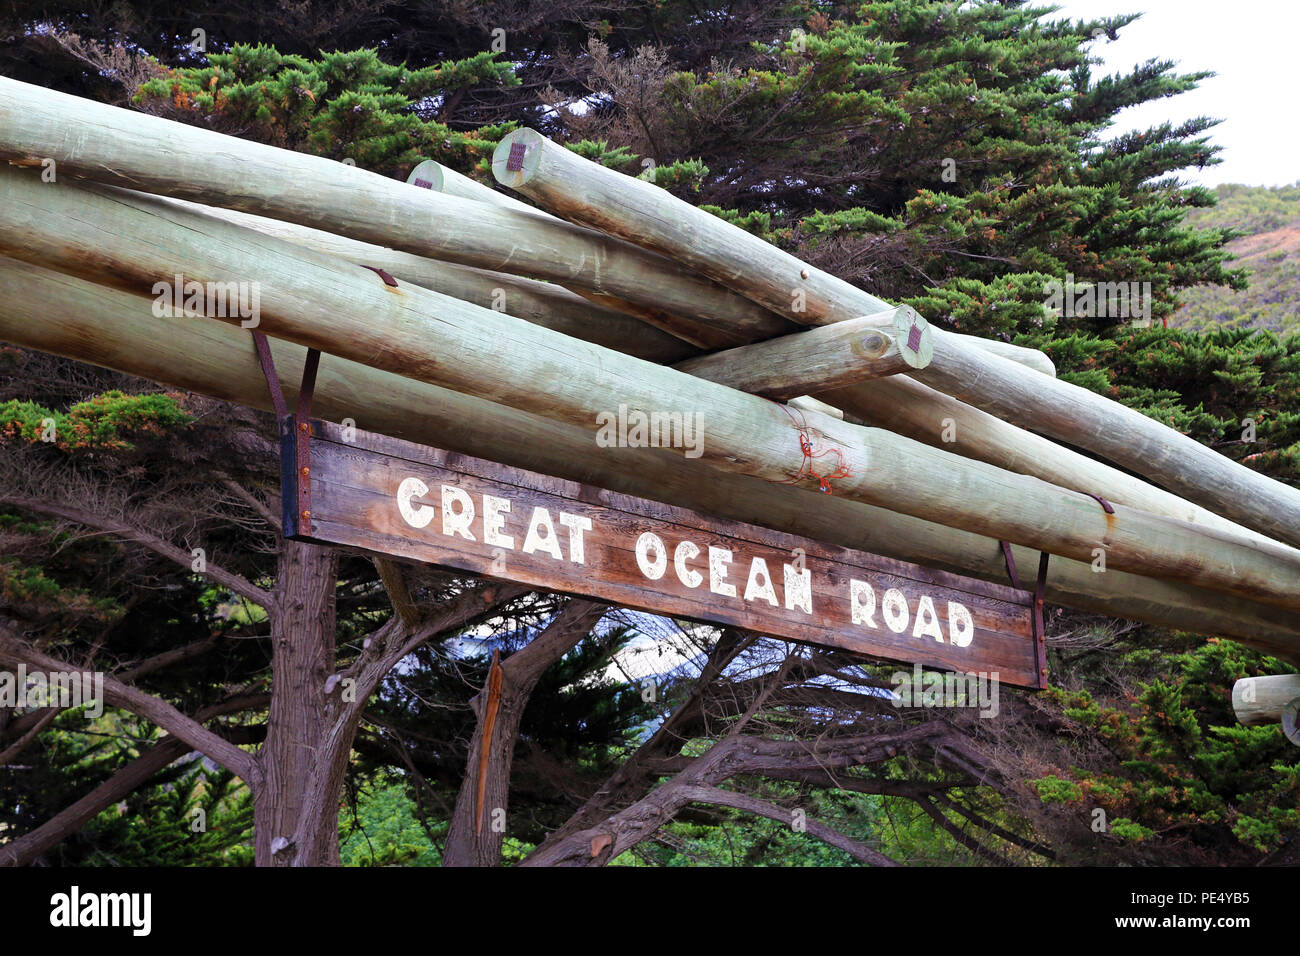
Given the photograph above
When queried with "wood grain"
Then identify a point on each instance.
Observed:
(916, 614)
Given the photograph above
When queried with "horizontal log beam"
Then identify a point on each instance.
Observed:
(316, 301)
(899, 404)
(905, 406)
(925, 414)
(541, 303)
(137, 151)
(1260, 700)
(622, 206)
(63, 315)
(824, 358)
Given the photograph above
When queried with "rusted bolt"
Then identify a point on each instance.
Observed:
(306, 516)
(803, 273)
(306, 472)
(304, 427)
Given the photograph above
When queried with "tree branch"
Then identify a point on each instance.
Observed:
(27, 848)
(227, 579)
(742, 801)
(14, 651)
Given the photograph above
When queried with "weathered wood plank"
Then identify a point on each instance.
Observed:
(316, 301)
(66, 316)
(391, 497)
(640, 212)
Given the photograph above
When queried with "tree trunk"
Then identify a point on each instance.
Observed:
(478, 823)
(302, 636)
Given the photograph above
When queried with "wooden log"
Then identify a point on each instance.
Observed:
(909, 408)
(1260, 700)
(541, 303)
(1030, 358)
(316, 301)
(106, 144)
(901, 404)
(431, 174)
(57, 313)
(632, 209)
(919, 412)
(156, 155)
(816, 405)
(825, 358)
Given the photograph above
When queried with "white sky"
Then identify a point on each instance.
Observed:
(1250, 44)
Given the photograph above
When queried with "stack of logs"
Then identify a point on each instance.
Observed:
(508, 327)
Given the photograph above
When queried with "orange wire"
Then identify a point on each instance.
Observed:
(806, 469)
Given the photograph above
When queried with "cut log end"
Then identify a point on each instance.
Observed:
(516, 158)
(427, 175)
(915, 338)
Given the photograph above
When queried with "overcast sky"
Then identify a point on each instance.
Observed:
(1253, 46)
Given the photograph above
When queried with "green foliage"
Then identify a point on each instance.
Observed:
(33, 594)
(186, 815)
(1182, 770)
(111, 421)
(381, 828)
(349, 105)
(1053, 789)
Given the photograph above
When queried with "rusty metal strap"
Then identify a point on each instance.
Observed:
(308, 390)
(1011, 564)
(272, 379)
(1040, 626)
(1040, 590)
(1105, 505)
(302, 446)
(388, 279)
(301, 424)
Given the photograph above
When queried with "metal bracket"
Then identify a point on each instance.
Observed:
(295, 439)
(1037, 621)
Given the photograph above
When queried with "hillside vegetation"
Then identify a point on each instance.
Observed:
(1267, 221)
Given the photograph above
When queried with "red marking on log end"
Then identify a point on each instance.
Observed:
(516, 161)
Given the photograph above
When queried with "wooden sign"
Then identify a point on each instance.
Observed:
(395, 498)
